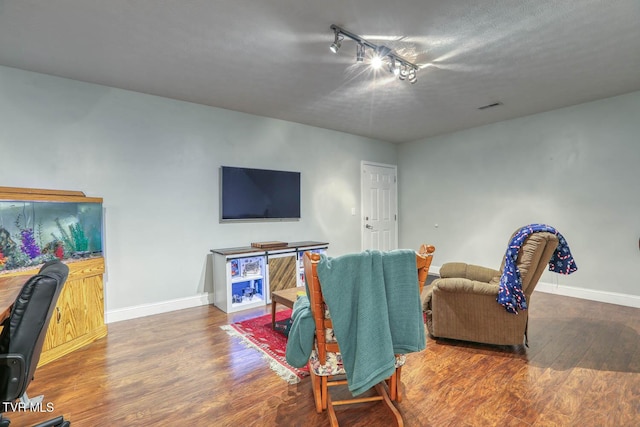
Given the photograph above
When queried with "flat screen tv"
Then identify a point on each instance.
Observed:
(259, 194)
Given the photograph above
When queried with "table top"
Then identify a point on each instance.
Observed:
(9, 289)
(250, 249)
(289, 295)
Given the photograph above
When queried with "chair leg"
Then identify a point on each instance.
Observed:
(324, 387)
(56, 422)
(397, 417)
(398, 385)
(395, 386)
(317, 392)
(392, 384)
(333, 419)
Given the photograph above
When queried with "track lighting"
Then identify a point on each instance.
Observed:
(396, 64)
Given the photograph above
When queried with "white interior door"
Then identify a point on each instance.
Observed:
(379, 195)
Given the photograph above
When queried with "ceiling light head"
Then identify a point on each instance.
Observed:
(378, 58)
(335, 46)
(360, 52)
(394, 67)
(412, 76)
(402, 72)
(376, 62)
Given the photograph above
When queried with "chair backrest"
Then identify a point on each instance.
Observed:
(423, 263)
(24, 331)
(317, 303)
(533, 258)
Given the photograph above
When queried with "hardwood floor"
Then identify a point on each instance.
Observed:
(582, 369)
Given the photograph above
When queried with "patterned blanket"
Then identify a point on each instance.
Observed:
(510, 294)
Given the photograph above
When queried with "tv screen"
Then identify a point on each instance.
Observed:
(259, 194)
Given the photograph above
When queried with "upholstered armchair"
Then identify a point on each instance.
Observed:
(462, 304)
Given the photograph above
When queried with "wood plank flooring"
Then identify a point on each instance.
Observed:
(180, 369)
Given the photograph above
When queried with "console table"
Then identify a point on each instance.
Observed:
(244, 277)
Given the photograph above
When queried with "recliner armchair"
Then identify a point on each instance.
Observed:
(462, 304)
(24, 332)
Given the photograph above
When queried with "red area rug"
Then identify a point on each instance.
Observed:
(257, 333)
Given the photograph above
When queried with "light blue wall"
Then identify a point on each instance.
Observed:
(576, 168)
(156, 162)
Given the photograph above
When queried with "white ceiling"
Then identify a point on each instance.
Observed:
(271, 57)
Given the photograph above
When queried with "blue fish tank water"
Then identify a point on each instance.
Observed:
(33, 232)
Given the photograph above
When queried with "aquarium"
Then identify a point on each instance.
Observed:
(34, 232)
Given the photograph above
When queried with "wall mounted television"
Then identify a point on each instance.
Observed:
(259, 195)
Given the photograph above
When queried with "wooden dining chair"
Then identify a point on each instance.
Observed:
(325, 364)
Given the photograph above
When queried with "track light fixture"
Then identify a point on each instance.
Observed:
(396, 64)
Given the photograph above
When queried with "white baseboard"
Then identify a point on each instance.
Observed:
(590, 294)
(143, 310)
(582, 293)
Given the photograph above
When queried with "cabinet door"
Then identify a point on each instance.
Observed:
(300, 276)
(282, 273)
(94, 302)
(68, 319)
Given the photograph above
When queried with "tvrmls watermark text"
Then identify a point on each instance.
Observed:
(27, 407)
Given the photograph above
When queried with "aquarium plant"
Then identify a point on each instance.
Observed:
(80, 240)
(75, 240)
(29, 246)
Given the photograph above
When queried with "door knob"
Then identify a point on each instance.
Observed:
(368, 226)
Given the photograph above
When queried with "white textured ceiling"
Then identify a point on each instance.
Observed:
(271, 57)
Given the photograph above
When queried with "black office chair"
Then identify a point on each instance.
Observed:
(23, 335)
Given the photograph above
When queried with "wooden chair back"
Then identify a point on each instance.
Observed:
(424, 257)
(323, 401)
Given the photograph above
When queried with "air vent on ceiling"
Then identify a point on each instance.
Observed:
(495, 104)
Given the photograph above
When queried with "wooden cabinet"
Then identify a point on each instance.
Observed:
(239, 281)
(40, 225)
(78, 318)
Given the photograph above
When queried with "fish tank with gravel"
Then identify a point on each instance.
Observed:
(62, 225)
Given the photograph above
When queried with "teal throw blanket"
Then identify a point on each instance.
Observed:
(301, 334)
(374, 302)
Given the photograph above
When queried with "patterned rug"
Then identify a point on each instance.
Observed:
(257, 333)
